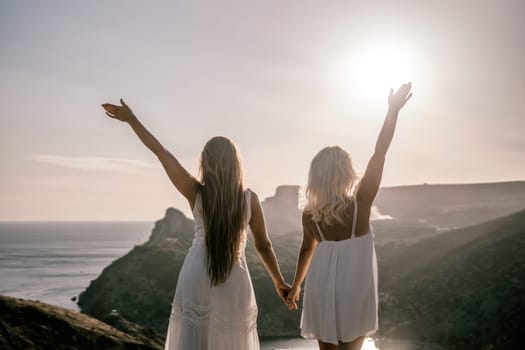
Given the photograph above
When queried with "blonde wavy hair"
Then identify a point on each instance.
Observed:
(223, 205)
(332, 181)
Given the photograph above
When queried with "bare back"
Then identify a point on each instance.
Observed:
(338, 231)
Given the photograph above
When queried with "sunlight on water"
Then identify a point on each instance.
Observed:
(369, 344)
(303, 344)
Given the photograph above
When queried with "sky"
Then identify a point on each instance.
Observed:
(281, 78)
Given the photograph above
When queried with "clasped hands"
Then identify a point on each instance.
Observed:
(288, 294)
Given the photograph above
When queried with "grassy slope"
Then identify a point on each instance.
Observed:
(463, 289)
(428, 288)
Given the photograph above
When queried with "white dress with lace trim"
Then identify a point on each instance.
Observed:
(202, 317)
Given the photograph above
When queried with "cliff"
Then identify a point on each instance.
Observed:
(26, 324)
(174, 225)
(464, 289)
(454, 205)
(442, 286)
(439, 206)
(281, 211)
(141, 284)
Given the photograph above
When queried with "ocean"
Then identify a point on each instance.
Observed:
(54, 262)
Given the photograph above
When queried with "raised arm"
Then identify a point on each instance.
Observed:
(374, 171)
(183, 181)
(306, 252)
(264, 248)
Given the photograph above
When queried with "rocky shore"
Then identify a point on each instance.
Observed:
(27, 324)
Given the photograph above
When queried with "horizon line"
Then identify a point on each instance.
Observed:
(7, 221)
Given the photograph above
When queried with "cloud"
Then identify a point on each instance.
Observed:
(96, 163)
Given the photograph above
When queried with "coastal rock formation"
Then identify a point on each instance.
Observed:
(438, 206)
(440, 286)
(282, 211)
(140, 285)
(174, 225)
(454, 205)
(26, 324)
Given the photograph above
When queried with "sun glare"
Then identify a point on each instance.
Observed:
(373, 69)
(369, 344)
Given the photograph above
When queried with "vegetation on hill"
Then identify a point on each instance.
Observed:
(463, 289)
(141, 285)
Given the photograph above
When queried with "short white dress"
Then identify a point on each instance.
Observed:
(222, 317)
(340, 293)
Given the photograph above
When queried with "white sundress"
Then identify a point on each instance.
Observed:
(222, 317)
(340, 293)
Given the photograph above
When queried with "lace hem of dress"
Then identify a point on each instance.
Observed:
(198, 316)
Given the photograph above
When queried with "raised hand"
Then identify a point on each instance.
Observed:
(122, 113)
(397, 101)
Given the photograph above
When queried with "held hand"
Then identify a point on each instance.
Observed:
(122, 113)
(282, 290)
(293, 297)
(397, 101)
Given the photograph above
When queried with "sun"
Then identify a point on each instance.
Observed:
(371, 70)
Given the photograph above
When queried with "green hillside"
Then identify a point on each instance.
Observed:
(141, 285)
(464, 289)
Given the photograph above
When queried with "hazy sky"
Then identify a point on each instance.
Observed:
(281, 78)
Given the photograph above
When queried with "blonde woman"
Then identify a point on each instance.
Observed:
(337, 254)
(214, 305)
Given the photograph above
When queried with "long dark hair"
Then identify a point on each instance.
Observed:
(223, 205)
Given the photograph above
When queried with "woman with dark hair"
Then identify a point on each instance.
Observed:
(214, 305)
(337, 255)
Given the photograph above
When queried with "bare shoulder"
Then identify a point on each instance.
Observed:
(307, 219)
(308, 228)
(255, 207)
(254, 199)
(306, 216)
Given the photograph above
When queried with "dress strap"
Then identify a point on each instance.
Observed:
(319, 231)
(354, 221)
